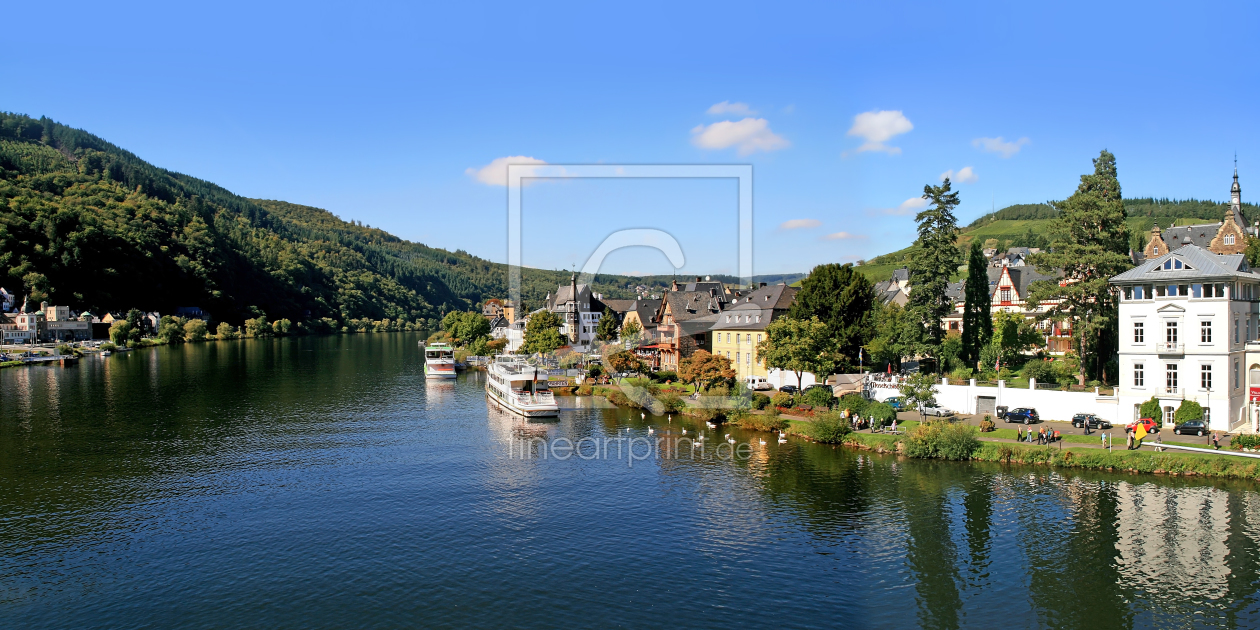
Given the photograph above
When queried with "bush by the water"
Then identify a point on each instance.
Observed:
(942, 440)
(855, 403)
(781, 399)
(883, 414)
(758, 422)
(617, 397)
(819, 397)
(672, 402)
(584, 390)
(760, 401)
(642, 397)
(830, 428)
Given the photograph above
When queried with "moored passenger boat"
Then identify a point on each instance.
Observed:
(439, 360)
(515, 384)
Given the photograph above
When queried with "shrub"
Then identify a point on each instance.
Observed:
(1187, 411)
(665, 375)
(1239, 442)
(781, 399)
(961, 375)
(642, 397)
(583, 390)
(1150, 409)
(108, 346)
(819, 397)
(830, 428)
(772, 412)
(987, 425)
(673, 403)
(1043, 371)
(759, 423)
(940, 440)
(855, 403)
(760, 401)
(883, 414)
(64, 349)
(617, 397)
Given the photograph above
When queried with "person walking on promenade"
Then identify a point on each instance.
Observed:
(1216, 440)
(1019, 434)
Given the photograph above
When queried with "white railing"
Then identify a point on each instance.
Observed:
(1169, 347)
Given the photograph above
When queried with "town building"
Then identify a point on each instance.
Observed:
(1009, 286)
(579, 310)
(1227, 236)
(492, 308)
(1185, 318)
(60, 325)
(895, 290)
(742, 325)
(684, 318)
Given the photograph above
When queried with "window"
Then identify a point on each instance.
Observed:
(1168, 264)
(736, 358)
(728, 338)
(1155, 250)
(1139, 332)
(1005, 295)
(736, 337)
(1205, 376)
(1235, 331)
(1196, 290)
(1139, 375)
(1170, 376)
(1205, 332)
(1235, 373)
(1170, 332)
(1229, 239)
(748, 359)
(758, 338)
(1138, 293)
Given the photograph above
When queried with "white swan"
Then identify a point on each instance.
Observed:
(651, 431)
(731, 440)
(684, 432)
(642, 416)
(782, 439)
(763, 442)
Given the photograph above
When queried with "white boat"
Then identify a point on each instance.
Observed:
(439, 360)
(517, 386)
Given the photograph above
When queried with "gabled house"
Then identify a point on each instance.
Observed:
(684, 318)
(580, 311)
(741, 326)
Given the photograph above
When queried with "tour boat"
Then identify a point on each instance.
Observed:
(439, 360)
(517, 386)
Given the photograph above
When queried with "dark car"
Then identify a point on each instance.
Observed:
(1192, 427)
(789, 389)
(1080, 419)
(1022, 414)
(898, 403)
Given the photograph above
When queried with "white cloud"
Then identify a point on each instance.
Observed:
(998, 145)
(965, 175)
(496, 172)
(797, 224)
(909, 206)
(734, 109)
(748, 135)
(879, 127)
(840, 236)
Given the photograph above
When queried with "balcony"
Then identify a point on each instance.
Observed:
(1171, 348)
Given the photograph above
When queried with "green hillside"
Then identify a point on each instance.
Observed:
(1031, 225)
(87, 224)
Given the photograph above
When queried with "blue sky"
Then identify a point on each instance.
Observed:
(391, 113)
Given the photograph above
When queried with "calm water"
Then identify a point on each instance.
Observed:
(320, 482)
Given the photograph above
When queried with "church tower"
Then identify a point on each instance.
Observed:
(1231, 239)
(1235, 197)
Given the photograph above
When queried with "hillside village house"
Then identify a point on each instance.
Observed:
(580, 311)
(59, 325)
(1008, 292)
(742, 325)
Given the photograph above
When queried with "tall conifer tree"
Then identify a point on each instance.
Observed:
(1091, 245)
(977, 313)
(932, 267)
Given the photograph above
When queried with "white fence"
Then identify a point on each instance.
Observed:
(1050, 404)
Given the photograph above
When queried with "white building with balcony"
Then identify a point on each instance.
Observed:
(1185, 319)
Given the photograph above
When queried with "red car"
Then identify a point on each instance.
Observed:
(1149, 423)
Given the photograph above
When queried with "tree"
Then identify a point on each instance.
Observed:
(171, 329)
(257, 327)
(1013, 334)
(466, 327)
(799, 346)
(897, 334)
(843, 299)
(135, 323)
(1151, 409)
(542, 333)
(195, 330)
(704, 369)
(281, 327)
(919, 390)
(977, 308)
(626, 361)
(225, 331)
(1188, 410)
(1091, 245)
(607, 328)
(120, 332)
(631, 329)
(932, 267)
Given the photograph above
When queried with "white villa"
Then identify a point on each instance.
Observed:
(1185, 319)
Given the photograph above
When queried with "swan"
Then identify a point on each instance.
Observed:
(728, 435)
(651, 431)
(782, 439)
(763, 442)
(695, 445)
(684, 432)
(731, 440)
(642, 416)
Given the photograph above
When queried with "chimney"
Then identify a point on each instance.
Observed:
(712, 292)
(761, 285)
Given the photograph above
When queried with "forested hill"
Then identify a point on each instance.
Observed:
(87, 224)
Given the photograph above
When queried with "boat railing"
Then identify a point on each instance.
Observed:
(544, 398)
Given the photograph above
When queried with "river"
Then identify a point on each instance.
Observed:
(321, 482)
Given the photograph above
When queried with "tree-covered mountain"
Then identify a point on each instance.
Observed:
(87, 224)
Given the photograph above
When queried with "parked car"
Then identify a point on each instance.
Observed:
(1149, 423)
(758, 383)
(898, 403)
(940, 412)
(1192, 427)
(1025, 415)
(1081, 419)
(789, 389)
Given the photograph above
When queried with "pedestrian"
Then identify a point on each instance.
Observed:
(1216, 440)
(1019, 434)
(1159, 439)
(1086, 425)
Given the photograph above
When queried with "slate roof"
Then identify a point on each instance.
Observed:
(756, 309)
(1199, 235)
(900, 275)
(646, 308)
(954, 290)
(1021, 277)
(1201, 263)
(620, 307)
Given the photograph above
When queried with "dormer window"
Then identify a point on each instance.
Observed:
(1155, 250)
(1229, 239)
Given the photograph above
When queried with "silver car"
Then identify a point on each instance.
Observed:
(939, 412)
